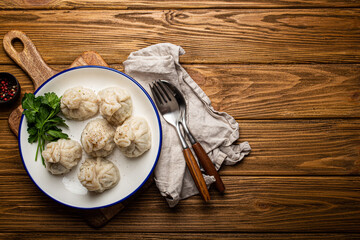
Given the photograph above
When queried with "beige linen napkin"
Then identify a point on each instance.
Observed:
(216, 131)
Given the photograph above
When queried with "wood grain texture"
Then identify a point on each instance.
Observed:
(31, 62)
(89, 58)
(251, 204)
(281, 91)
(288, 71)
(291, 147)
(29, 59)
(208, 166)
(265, 91)
(209, 36)
(300, 147)
(163, 236)
(196, 174)
(167, 4)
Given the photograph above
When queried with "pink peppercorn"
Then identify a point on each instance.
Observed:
(8, 87)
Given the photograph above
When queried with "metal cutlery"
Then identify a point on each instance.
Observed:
(171, 112)
(199, 150)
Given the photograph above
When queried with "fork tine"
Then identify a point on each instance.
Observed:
(156, 98)
(169, 91)
(160, 92)
(153, 94)
(161, 86)
(166, 90)
(157, 95)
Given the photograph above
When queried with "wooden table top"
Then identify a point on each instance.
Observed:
(288, 71)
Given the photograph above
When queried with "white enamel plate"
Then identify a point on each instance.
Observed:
(134, 172)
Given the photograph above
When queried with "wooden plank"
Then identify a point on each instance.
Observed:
(251, 204)
(162, 236)
(281, 91)
(300, 147)
(166, 4)
(265, 91)
(208, 36)
(291, 147)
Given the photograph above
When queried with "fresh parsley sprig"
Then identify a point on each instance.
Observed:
(43, 122)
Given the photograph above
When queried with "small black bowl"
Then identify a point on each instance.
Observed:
(7, 83)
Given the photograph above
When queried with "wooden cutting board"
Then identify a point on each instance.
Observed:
(30, 60)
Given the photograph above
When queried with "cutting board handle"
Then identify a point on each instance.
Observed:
(29, 59)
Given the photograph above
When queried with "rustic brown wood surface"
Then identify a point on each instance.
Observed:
(288, 71)
(29, 59)
(166, 4)
(251, 204)
(208, 35)
(196, 236)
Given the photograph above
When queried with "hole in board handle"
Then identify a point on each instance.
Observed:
(17, 44)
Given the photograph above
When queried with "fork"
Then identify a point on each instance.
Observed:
(170, 110)
(202, 156)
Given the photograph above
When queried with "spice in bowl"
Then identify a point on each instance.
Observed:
(9, 88)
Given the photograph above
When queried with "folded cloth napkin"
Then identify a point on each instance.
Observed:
(215, 131)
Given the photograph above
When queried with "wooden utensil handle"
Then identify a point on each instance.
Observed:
(208, 166)
(196, 174)
(29, 58)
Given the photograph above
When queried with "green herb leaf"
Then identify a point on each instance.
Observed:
(50, 126)
(31, 106)
(42, 116)
(30, 115)
(40, 113)
(30, 102)
(57, 134)
(49, 138)
(51, 99)
(33, 134)
(59, 121)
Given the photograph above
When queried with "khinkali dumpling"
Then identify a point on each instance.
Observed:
(133, 137)
(98, 174)
(115, 105)
(79, 103)
(62, 155)
(97, 138)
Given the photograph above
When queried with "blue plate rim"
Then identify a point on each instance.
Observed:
(155, 110)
